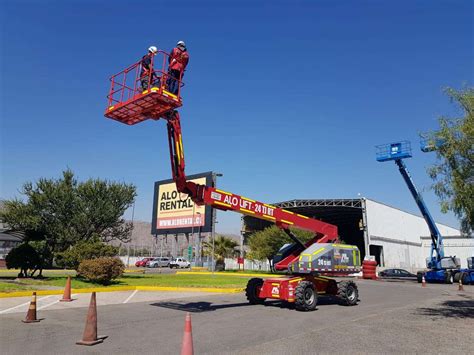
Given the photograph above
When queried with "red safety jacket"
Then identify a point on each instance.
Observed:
(178, 59)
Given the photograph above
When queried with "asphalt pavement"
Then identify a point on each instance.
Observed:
(392, 317)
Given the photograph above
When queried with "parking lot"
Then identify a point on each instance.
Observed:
(392, 317)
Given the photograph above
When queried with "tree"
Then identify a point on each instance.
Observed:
(453, 173)
(224, 247)
(23, 257)
(265, 244)
(63, 211)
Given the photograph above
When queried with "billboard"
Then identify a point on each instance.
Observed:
(174, 212)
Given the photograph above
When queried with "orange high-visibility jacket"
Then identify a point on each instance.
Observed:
(178, 59)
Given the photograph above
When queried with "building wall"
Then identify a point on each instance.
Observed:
(399, 233)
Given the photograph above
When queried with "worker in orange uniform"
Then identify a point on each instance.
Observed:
(147, 74)
(178, 61)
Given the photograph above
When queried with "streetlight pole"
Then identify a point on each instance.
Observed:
(161, 246)
(214, 216)
(198, 243)
(192, 234)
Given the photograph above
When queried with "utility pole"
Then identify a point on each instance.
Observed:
(213, 236)
(128, 255)
(198, 243)
(214, 216)
(161, 244)
(192, 241)
(242, 237)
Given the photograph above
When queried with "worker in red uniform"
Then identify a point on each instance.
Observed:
(147, 71)
(178, 61)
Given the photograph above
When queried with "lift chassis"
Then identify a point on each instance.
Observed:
(307, 265)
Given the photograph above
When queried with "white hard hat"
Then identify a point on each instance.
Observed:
(181, 43)
(153, 49)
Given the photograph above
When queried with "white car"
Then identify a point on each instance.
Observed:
(179, 263)
(159, 262)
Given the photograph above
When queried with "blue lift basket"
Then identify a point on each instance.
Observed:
(393, 151)
(430, 144)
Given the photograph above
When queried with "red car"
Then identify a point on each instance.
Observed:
(142, 262)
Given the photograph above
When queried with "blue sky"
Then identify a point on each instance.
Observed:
(286, 98)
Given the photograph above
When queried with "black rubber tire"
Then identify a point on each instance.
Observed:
(347, 293)
(251, 291)
(306, 298)
(449, 279)
(457, 276)
(419, 277)
(464, 276)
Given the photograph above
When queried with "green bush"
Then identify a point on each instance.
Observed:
(23, 257)
(101, 270)
(84, 251)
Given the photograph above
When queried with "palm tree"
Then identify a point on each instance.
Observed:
(223, 248)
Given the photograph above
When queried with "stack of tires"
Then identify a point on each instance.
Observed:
(369, 269)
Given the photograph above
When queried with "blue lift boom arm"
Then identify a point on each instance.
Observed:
(436, 238)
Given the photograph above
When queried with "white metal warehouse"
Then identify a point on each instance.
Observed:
(394, 237)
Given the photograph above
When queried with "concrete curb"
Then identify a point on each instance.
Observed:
(227, 274)
(121, 288)
(190, 289)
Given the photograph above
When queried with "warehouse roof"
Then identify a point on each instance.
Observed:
(334, 211)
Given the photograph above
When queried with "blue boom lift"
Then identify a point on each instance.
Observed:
(440, 268)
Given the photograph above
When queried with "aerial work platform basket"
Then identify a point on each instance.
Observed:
(135, 96)
(393, 151)
(431, 143)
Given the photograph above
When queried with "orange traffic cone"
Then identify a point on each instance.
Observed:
(31, 314)
(67, 291)
(423, 281)
(187, 347)
(460, 287)
(90, 331)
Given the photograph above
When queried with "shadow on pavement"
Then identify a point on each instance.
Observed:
(199, 307)
(450, 309)
(404, 280)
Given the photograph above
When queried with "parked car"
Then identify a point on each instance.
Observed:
(179, 263)
(142, 262)
(396, 273)
(159, 262)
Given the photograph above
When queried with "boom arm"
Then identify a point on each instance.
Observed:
(225, 201)
(436, 238)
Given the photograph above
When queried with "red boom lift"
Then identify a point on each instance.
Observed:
(306, 264)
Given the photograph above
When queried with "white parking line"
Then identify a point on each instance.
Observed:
(50, 304)
(23, 304)
(130, 297)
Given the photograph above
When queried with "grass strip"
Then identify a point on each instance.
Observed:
(158, 280)
(11, 287)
